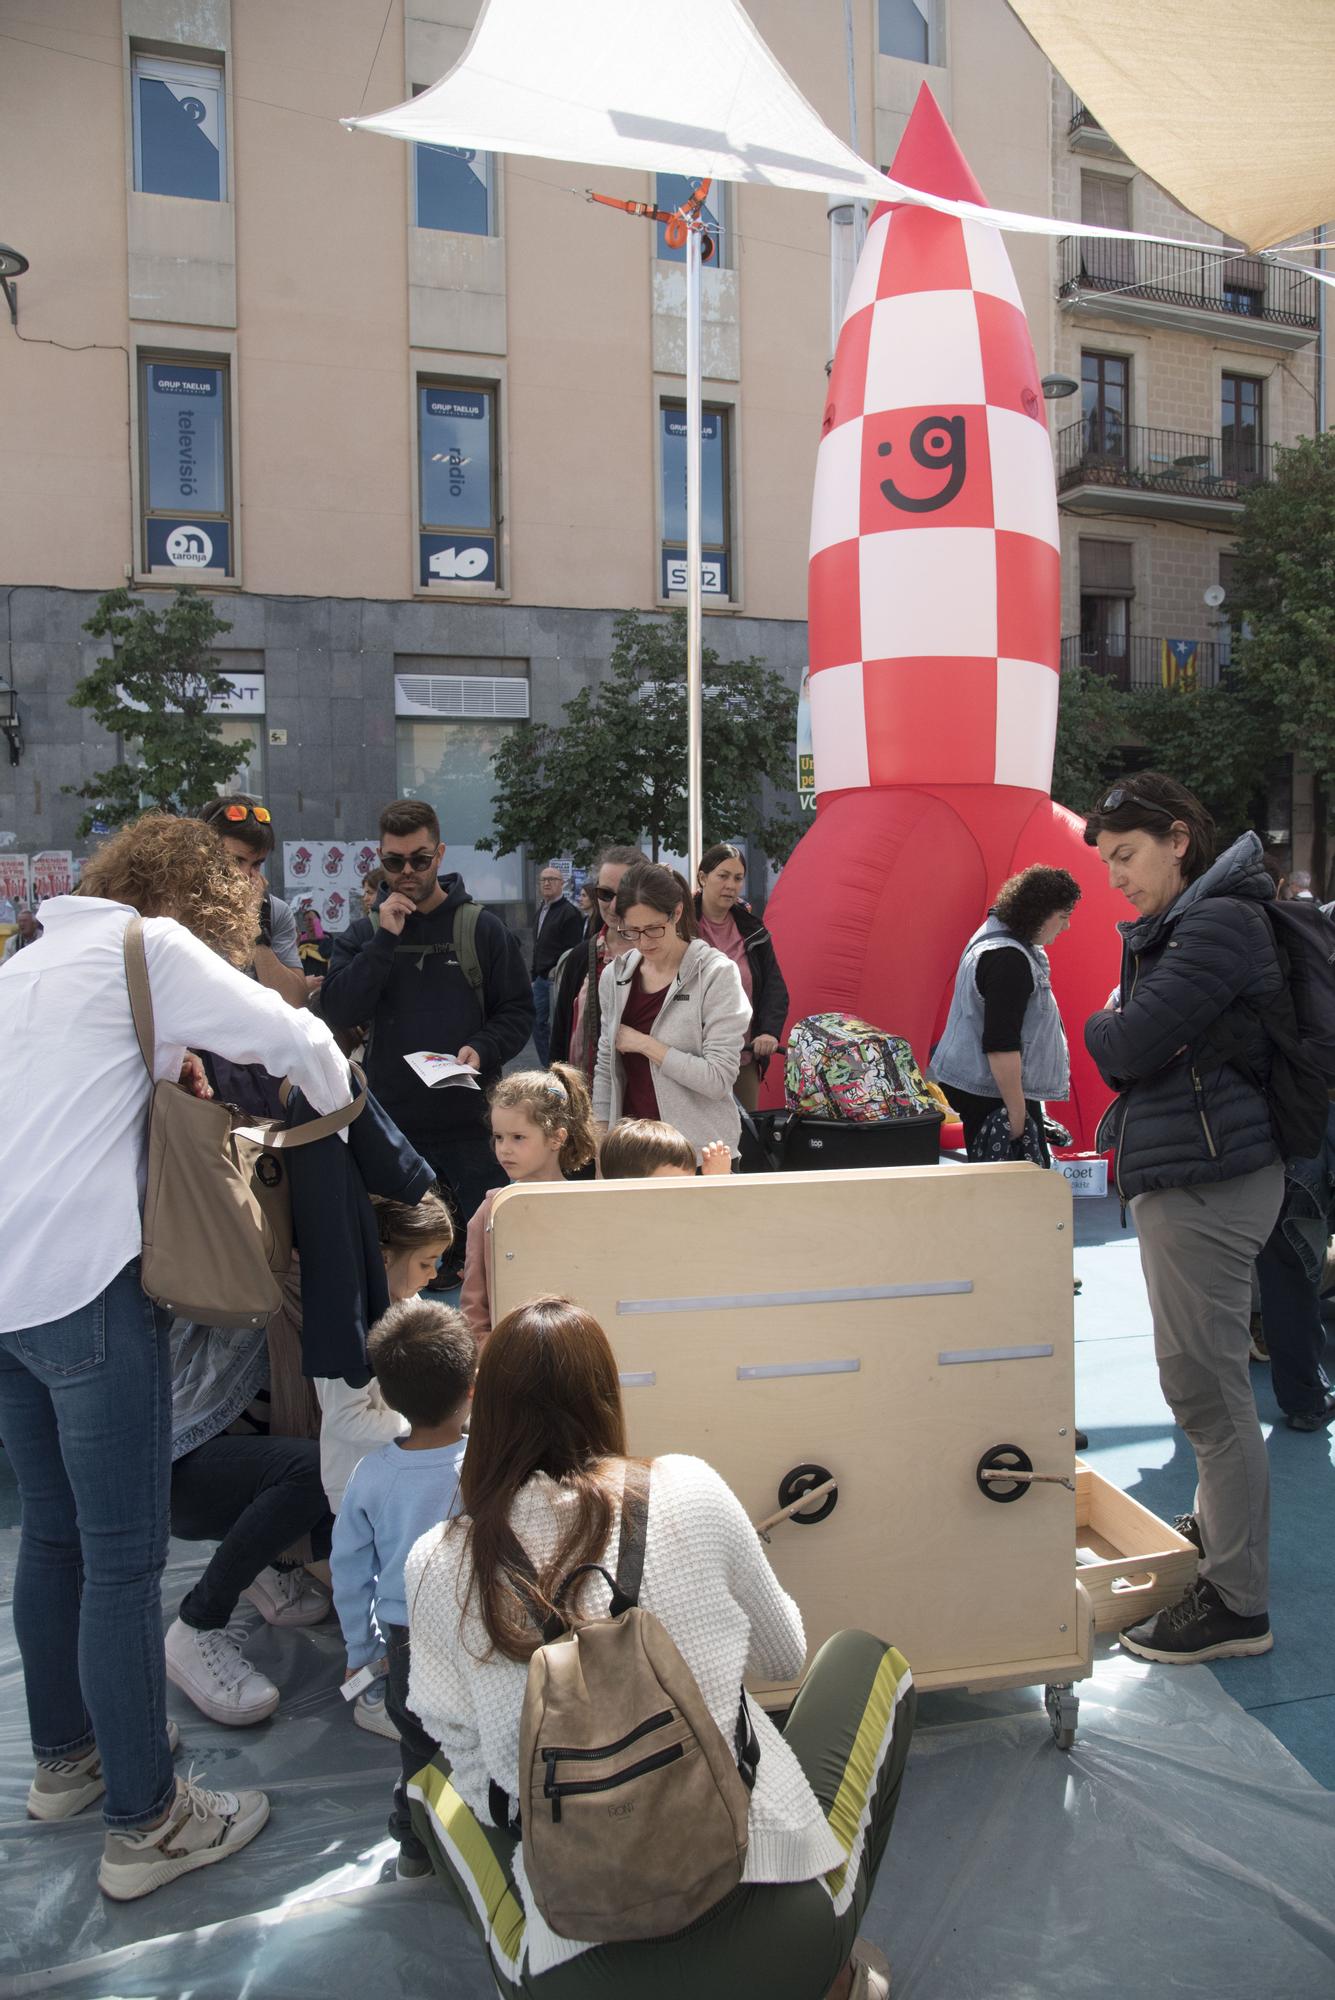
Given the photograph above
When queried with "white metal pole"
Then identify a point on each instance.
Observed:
(850, 56)
(694, 616)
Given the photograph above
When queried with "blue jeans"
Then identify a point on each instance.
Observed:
(542, 1018)
(85, 1413)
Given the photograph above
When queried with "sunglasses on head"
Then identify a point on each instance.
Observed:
(1122, 795)
(238, 815)
(416, 863)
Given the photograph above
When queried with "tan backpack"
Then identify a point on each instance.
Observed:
(633, 1808)
(217, 1237)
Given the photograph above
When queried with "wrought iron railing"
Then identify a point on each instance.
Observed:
(1137, 661)
(1081, 115)
(1222, 280)
(1099, 450)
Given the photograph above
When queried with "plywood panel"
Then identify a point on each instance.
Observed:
(698, 1281)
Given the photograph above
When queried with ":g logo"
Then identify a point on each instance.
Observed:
(938, 445)
(189, 548)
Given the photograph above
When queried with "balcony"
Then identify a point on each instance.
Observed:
(1086, 135)
(1138, 663)
(1109, 468)
(1192, 291)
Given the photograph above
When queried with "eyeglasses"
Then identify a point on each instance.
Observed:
(1121, 795)
(605, 895)
(238, 815)
(416, 863)
(650, 931)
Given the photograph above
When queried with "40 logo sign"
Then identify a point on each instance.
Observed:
(457, 559)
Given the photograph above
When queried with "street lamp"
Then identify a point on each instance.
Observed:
(13, 264)
(1055, 387)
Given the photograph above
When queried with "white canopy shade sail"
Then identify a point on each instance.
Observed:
(1225, 103)
(686, 89)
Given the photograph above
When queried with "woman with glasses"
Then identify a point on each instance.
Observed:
(674, 1017)
(1184, 1044)
(575, 1019)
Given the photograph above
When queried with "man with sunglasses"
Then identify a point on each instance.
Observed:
(419, 975)
(245, 829)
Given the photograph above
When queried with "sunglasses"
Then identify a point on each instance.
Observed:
(651, 931)
(238, 815)
(1121, 795)
(605, 895)
(416, 863)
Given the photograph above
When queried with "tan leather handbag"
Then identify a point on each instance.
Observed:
(217, 1237)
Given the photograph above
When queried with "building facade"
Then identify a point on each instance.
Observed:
(413, 417)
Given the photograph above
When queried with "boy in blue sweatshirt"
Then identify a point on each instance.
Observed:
(425, 1358)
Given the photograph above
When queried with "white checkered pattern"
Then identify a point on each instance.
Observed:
(934, 627)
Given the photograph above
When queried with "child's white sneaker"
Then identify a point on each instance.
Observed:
(288, 1597)
(368, 1711)
(201, 1827)
(63, 1786)
(213, 1671)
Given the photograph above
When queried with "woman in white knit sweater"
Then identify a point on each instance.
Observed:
(546, 1463)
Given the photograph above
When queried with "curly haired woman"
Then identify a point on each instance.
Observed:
(85, 1369)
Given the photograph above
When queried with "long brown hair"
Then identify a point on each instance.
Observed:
(661, 889)
(548, 1399)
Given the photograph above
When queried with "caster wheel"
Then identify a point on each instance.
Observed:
(1063, 1707)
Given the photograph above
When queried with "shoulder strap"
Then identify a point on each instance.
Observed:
(283, 1139)
(634, 1527)
(141, 996)
(465, 944)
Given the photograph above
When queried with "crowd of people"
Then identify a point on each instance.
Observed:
(458, 1489)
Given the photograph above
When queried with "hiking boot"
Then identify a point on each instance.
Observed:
(201, 1827)
(1198, 1627)
(368, 1711)
(213, 1671)
(1190, 1530)
(63, 1786)
(1313, 1420)
(1256, 1336)
(289, 1596)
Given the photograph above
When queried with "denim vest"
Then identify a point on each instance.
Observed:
(958, 1059)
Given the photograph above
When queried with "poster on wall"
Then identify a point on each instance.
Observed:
(52, 873)
(15, 886)
(326, 876)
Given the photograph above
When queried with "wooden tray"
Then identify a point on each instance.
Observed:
(1142, 1564)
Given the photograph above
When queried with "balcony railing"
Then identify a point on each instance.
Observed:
(1140, 662)
(1205, 280)
(1099, 451)
(1082, 116)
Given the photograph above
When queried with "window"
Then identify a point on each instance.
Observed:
(1246, 299)
(247, 729)
(1105, 203)
(457, 459)
(179, 129)
(907, 28)
(1105, 386)
(715, 493)
(670, 191)
(448, 758)
(185, 472)
(1105, 608)
(454, 188)
(1240, 441)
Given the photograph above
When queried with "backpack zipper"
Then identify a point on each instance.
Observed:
(612, 1749)
(1126, 1113)
(574, 1786)
(1200, 1112)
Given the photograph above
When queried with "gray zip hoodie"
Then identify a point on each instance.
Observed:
(703, 1019)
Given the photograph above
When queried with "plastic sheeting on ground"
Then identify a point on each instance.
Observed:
(1179, 1847)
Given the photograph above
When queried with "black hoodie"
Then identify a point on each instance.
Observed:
(410, 992)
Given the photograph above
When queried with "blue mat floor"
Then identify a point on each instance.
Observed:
(1133, 1443)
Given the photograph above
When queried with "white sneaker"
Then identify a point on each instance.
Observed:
(63, 1786)
(202, 1827)
(369, 1713)
(213, 1671)
(871, 1972)
(289, 1597)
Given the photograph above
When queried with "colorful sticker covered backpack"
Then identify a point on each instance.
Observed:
(843, 1067)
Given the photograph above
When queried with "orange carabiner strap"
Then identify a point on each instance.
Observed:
(678, 223)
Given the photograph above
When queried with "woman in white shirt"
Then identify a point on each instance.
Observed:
(85, 1371)
(546, 1463)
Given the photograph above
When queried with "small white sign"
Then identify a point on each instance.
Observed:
(1087, 1173)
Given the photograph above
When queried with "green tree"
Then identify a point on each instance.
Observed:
(1093, 725)
(1220, 742)
(1284, 589)
(153, 689)
(615, 768)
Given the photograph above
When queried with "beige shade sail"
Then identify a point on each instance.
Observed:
(1226, 103)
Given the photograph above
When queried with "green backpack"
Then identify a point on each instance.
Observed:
(463, 944)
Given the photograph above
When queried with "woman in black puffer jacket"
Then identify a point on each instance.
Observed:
(1187, 1051)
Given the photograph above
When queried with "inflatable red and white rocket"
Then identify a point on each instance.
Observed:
(934, 621)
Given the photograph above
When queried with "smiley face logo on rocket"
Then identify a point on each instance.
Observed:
(939, 444)
(924, 467)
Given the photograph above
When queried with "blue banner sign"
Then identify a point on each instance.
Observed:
(457, 559)
(190, 545)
